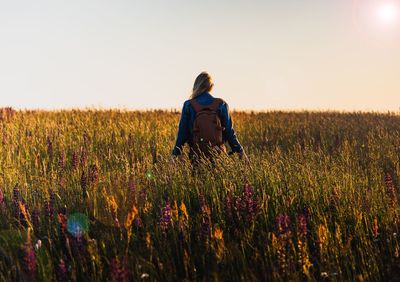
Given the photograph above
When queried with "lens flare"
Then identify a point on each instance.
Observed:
(78, 224)
(388, 12)
(149, 174)
(378, 22)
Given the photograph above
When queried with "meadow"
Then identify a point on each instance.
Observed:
(94, 196)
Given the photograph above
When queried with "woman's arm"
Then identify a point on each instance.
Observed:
(183, 131)
(229, 133)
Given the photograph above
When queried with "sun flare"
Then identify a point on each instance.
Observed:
(388, 12)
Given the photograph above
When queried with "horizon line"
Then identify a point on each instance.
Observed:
(172, 109)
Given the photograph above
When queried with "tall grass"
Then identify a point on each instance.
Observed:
(318, 200)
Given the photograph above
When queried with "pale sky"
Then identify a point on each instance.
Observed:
(263, 55)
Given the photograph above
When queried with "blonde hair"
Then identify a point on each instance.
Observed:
(203, 83)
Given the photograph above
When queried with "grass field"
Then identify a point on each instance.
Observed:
(93, 196)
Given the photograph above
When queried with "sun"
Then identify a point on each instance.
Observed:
(388, 13)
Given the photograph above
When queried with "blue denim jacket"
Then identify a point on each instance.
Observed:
(185, 133)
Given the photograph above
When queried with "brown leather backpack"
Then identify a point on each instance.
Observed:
(207, 129)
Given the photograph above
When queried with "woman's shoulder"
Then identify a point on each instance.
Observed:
(186, 106)
(222, 100)
(223, 103)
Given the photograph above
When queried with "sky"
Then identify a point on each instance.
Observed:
(262, 55)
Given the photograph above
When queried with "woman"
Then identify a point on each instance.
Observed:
(202, 99)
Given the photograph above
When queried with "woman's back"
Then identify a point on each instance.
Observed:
(186, 132)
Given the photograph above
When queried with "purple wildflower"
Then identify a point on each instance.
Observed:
(249, 205)
(84, 183)
(62, 271)
(29, 260)
(35, 218)
(15, 202)
(301, 225)
(74, 160)
(52, 200)
(228, 207)
(138, 222)
(283, 224)
(245, 207)
(79, 245)
(61, 162)
(247, 190)
(85, 138)
(166, 217)
(119, 270)
(49, 147)
(237, 205)
(131, 191)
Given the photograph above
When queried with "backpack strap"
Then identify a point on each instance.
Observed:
(213, 106)
(196, 106)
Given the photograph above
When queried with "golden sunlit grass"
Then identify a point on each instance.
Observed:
(94, 196)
